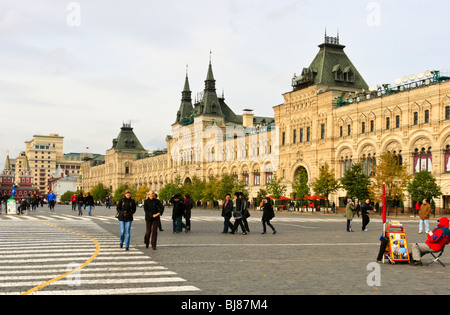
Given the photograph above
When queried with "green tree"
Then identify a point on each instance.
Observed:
(326, 183)
(423, 186)
(195, 188)
(67, 196)
(169, 190)
(356, 182)
(395, 177)
(99, 192)
(275, 187)
(300, 184)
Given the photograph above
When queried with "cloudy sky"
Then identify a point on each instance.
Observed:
(82, 68)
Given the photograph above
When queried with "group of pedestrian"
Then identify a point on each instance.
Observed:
(153, 208)
(181, 208)
(82, 201)
(350, 210)
(239, 210)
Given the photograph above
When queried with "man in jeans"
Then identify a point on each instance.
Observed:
(424, 214)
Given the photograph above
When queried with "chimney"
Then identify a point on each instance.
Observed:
(247, 118)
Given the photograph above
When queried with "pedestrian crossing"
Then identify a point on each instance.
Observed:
(110, 219)
(33, 254)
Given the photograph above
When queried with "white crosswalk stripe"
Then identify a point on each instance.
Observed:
(33, 253)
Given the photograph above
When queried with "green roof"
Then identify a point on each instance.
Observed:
(331, 67)
(127, 140)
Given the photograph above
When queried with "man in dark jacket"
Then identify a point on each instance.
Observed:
(89, 201)
(126, 207)
(152, 208)
(365, 209)
(177, 213)
(227, 210)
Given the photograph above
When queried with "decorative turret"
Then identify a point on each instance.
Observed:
(186, 109)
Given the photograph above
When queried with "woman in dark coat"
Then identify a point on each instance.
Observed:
(126, 207)
(268, 214)
(238, 215)
(152, 208)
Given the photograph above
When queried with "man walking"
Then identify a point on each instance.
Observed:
(365, 209)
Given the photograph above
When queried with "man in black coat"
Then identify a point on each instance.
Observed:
(177, 213)
(227, 210)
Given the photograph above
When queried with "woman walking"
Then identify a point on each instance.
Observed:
(268, 214)
(125, 210)
(152, 208)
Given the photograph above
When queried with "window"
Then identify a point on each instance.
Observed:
(369, 162)
(341, 132)
(349, 130)
(346, 164)
(397, 121)
(245, 179)
(416, 118)
(447, 159)
(283, 138)
(295, 136)
(301, 135)
(423, 160)
(257, 179)
(308, 133)
(322, 131)
(447, 112)
(372, 125)
(388, 123)
(427, 116)
(363, 127)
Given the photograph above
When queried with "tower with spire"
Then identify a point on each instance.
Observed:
(24, 183)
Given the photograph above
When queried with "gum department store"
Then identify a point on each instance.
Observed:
(330, 116)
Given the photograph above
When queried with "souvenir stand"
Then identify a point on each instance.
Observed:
(395, 244)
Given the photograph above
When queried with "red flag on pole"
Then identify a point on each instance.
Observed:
(384, 204)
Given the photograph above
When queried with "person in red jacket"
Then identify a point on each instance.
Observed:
(74, 200)
(436, 240)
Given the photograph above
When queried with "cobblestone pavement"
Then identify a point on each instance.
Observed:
(310, 254)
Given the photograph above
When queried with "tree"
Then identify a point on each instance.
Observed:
(423, 186)
(326, 183)
(67, 196)
(99, 192)
(141, 193)
(388, 171)
(356, 182)
(195, 188)
(275, 187)
(300, 184)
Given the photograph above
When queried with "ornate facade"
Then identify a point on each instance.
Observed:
(330, 116)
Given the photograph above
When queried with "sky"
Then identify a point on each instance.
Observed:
(82, 68)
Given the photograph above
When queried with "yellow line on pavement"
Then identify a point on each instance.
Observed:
(97, 251)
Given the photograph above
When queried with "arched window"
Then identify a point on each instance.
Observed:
(346, 164)
(369, 162)
(447, 159)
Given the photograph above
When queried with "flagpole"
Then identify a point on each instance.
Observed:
(384, 212)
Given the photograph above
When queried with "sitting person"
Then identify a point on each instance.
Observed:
(436, 240)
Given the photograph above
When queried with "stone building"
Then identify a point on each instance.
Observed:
(329, 116)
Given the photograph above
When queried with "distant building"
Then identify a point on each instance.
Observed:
(23, 184)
